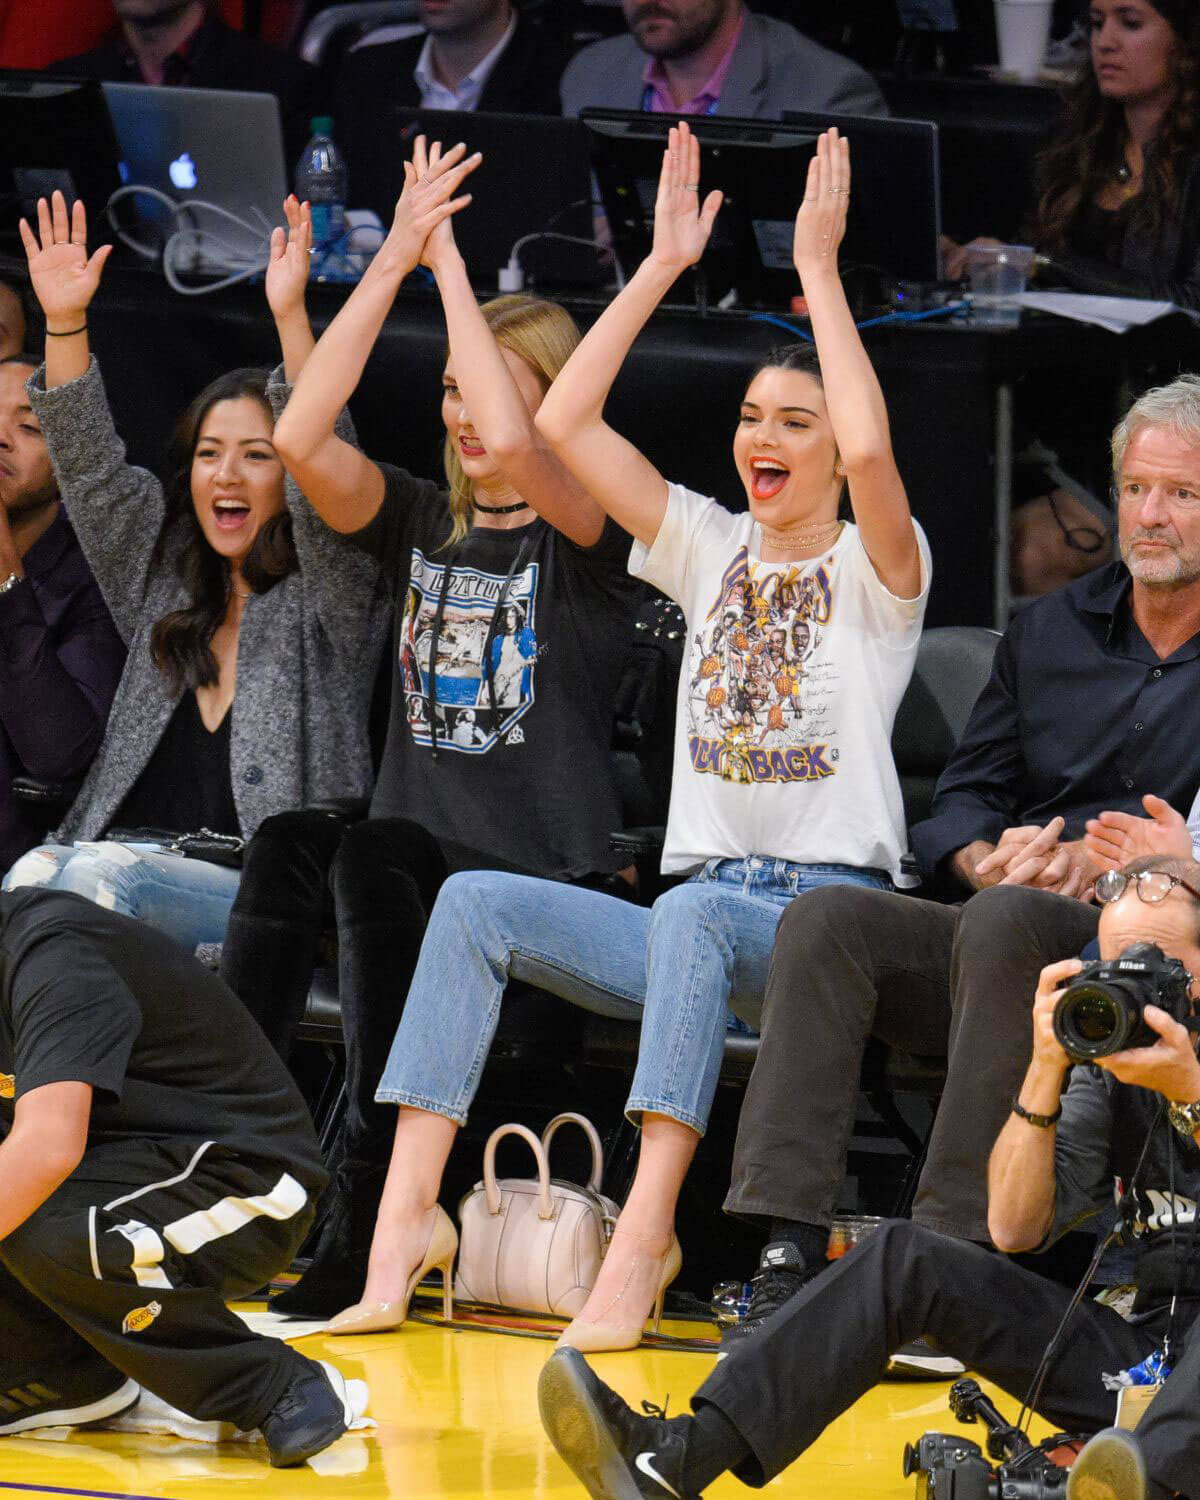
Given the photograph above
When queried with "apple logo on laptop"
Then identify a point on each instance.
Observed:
(182, 172)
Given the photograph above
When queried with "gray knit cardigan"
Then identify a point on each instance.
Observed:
(308, 649)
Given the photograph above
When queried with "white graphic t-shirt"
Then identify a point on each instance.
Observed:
(789, 687)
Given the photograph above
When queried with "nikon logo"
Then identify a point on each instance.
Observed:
(141, 1318)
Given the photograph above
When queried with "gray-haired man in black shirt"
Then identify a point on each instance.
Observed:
(155, 1160)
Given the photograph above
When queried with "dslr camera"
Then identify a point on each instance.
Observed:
(1101, 1012)
(949, 1467)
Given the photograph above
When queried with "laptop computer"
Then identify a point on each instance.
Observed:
(211, 146)
(545, 155)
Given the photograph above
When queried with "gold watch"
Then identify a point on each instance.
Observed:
(1184, 1117)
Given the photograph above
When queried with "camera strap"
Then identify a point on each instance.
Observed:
(1126, 1207)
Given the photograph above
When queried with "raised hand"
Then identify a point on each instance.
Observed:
(1053, 979)
(288, 268)
(682, 224)
(428, 199)
(64, 278)
(1114, 838)
(440, 241)
(1169, 1067)
(821, 221)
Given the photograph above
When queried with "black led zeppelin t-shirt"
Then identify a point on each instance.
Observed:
(88, 996)
(507, 763)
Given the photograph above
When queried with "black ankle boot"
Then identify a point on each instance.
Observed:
(338, 1271)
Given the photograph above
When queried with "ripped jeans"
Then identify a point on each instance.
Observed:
(188, 899)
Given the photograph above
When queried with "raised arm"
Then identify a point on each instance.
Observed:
(343, 486)
(571, 418)
(498, 411)
(286, 284)
(852, 395)
(64, 280)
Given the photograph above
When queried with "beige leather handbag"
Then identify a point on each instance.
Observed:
(534, 1244)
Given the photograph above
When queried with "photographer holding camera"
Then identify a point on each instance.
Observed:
(1132, 1119)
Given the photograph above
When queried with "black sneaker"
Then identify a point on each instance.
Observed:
(921, 1361)
(1111, 1467)
(312, 1413)
(782, 1271)
(614, 1453)
(97, 1396)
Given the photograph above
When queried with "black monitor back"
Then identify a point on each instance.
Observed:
(989, 134)
(54, 133)
(534, 178)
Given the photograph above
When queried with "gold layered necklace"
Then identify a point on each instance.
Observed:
(814, 537)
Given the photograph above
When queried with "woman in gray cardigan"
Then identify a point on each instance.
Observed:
(254, 631)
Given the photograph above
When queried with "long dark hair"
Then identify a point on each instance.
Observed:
(1075, 166)
(181, 642)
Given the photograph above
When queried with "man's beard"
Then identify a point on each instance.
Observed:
(1168, 569)
(691, 36)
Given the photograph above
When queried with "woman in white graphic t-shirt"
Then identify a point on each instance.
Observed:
(802, 632)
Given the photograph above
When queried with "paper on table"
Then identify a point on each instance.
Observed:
(1116, 314)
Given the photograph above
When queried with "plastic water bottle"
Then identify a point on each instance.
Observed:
(321, 179)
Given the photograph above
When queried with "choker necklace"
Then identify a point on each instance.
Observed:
(803, 536)
(500, 510)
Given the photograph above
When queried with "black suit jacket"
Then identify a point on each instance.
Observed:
(221, 58)
(524, 80)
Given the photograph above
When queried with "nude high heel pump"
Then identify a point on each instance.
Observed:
(602, 1337)
(380, 1317)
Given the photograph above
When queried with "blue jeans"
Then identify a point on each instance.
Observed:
(677, 966)
(188, 899)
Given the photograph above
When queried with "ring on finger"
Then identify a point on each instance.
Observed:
(691, 187)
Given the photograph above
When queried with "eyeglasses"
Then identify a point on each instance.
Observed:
(1081, 538)
(1152, 886)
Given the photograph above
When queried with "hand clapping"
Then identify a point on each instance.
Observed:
(430, 182)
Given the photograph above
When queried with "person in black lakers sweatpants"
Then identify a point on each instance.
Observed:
(156, 1159)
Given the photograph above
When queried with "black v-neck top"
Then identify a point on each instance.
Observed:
(186, 785)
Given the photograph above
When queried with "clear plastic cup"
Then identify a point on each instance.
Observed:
(998, 275)
(849, 1230)
(1022, 32)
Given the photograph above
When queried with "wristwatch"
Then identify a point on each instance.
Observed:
(11, 582)
(1184, 1117)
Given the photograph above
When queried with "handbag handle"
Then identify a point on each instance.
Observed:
(492, 1192)
(593, 1136)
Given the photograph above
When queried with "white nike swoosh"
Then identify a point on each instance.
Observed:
(643, 1462)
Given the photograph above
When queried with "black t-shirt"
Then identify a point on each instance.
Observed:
(87, 996)
(186, 785)
(531, 641)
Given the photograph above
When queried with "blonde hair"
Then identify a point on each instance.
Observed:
(541, 333)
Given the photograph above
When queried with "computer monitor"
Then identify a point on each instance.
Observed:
(534, 178)
(56, 133)
(761, 167)
(219, 146)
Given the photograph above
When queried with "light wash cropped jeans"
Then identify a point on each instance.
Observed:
(188, 899)
(678, 965)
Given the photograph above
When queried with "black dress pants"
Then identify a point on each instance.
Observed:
(123, 1267)
(850, 963)
(830, 1344)
(376, 881)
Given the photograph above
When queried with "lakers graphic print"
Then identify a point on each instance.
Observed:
(141, 1318)
(486, 648)
(759, 688)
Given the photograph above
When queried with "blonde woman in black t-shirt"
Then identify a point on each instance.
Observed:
(512, 605)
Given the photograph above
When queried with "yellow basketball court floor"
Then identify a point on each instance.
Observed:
(457, 1419)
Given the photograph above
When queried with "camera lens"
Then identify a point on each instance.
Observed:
(1094, 1020)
